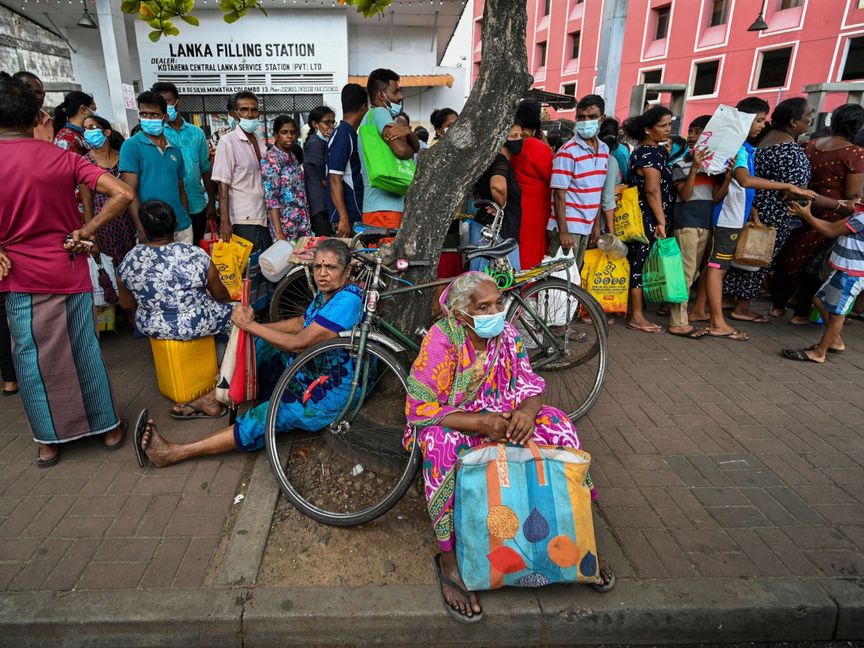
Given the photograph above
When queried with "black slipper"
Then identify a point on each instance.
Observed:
(694, 333)
(9, 392)
(455, 614)
(830, 350)
(47, 463)
(798, 354)
(124, 426)
(141, 453)
(197, 414)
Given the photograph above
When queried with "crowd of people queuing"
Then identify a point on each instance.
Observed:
(74, 186)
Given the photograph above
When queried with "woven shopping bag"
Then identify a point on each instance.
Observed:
(607, 280)
(628, 217)
(663, 278)
(385, 170)
(756, 245)
(523, 517)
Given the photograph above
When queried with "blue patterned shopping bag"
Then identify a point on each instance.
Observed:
(523, 517)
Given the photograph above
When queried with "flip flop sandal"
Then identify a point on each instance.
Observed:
(743, 336)
(9, 392)
(694, 333)
(456, 615)
(197, 414)
(799, 355)
(830, 350)
(141, 453)
(791, 323)
(659, 329)
(124, 425)
(759, 319)
(606, 587)
(47, 463)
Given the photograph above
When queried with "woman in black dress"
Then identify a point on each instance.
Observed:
(779, 157)
(650, 174)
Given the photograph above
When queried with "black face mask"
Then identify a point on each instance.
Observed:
(514, 146)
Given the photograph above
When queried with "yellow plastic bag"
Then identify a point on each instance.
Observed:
(607, 280)
(628, 217)
(230, 259)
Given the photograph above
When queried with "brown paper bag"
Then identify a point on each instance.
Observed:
(755, 245)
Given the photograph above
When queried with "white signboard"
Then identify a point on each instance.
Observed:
(129, 96)
(287, 52)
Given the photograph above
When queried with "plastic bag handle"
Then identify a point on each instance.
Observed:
(504, 469)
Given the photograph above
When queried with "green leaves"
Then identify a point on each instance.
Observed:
(160, 14)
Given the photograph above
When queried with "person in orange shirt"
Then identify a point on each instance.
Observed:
(44, 129)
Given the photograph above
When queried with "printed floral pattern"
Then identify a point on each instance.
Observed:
(285, 190)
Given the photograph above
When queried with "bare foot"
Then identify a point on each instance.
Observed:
(467, 606)
(160, 451)
(697, 316)
(799, 321)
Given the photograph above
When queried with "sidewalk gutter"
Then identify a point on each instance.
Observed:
(636, 613)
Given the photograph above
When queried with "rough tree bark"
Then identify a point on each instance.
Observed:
(450, 168)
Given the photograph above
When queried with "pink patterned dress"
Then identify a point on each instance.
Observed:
(450, 376)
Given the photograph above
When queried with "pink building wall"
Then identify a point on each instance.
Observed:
(819, 33)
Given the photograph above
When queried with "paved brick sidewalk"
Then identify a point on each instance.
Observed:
(713, 459)
(95, 520)
(716, 458)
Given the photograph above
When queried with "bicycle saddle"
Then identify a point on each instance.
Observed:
(472, 252)
(374, 234)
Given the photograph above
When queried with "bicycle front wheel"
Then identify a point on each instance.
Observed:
(342, 461)
(292, 295)
(564, 331)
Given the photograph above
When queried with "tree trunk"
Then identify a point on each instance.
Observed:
(448, 170)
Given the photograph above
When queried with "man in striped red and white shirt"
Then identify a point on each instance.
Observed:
(578, 174)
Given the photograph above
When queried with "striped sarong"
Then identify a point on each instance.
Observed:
(61, 374)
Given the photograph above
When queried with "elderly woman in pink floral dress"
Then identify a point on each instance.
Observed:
(471, 383)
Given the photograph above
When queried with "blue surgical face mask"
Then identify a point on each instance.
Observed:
(232, 123)
(172, 113)
(250, 125)
(488, 326)
(153, 127)
(95, 138)
(320, 136)
(588, 129)
(392, 106)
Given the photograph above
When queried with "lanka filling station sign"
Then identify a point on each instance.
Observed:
(287, 52)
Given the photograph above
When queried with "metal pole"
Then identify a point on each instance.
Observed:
(611, 50)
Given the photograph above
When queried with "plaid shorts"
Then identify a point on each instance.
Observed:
(839, 292)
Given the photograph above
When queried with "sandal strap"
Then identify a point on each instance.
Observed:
(443, 578)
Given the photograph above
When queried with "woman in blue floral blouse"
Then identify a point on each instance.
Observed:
(284, 184)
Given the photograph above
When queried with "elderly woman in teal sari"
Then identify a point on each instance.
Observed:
(337, 307)
(472, 383)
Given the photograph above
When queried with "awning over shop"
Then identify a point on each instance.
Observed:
(413, 80)
(552, 99)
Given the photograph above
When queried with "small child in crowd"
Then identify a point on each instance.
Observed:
(838, 294)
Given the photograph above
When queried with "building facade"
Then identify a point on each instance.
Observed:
(296, 57)
(703, 44)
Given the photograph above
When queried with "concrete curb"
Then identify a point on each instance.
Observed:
(636, 612)
(248, 539)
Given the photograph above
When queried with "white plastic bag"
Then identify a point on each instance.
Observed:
(559, 311)
(226, 368)
(723, 136)
(108, 266)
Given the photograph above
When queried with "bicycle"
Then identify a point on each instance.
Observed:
(322, 474)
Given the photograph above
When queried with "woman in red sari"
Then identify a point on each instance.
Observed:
(533, 169)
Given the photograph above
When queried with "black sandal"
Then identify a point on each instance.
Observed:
(47, 463)
(694, 333)
(124, 427)
(455, 614)
(141, 453)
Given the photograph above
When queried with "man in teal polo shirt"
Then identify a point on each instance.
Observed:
(200, 190)
(154, 167)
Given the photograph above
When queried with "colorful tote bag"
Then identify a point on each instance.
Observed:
(523, 517)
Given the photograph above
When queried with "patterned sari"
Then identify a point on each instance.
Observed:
(449, 376)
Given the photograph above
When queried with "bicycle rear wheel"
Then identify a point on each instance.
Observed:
(566, 344)
(292, 295)
(355, 468)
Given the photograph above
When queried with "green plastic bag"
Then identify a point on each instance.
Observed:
(663, 279)
(385, 170)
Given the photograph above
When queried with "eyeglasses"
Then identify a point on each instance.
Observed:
(327, 122)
